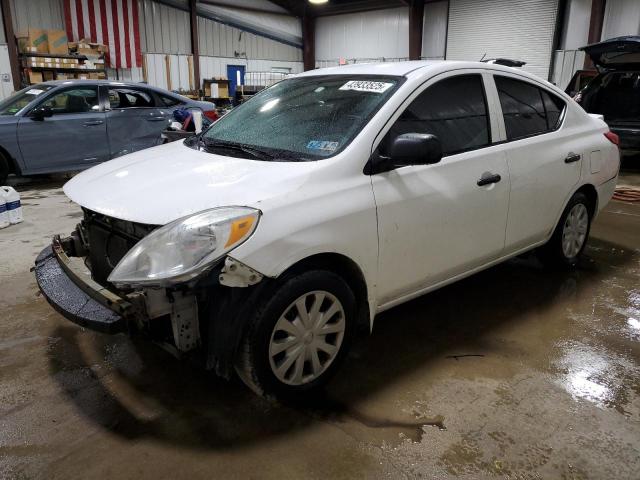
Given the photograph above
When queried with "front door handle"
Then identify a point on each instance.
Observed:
(572, 157)
(156, 119)
(93, 123)
(489, 178)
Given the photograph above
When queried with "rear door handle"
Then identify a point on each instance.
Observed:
(156, 119)
(93, 123)
(487, 179)
(572, 157)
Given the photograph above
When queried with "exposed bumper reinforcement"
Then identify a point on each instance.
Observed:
(76, 296)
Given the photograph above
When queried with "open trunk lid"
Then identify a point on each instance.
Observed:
(620, 53)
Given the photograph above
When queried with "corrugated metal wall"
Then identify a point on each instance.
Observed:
(434, 29)
(575, 28)
(565, 64)
(219, 40)
(163, 29)
(518, 29)
(37, 14)
(3, 38)
(211, 67)
(621, 17)
(370, 35)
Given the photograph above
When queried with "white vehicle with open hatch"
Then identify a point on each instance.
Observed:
(264, 244)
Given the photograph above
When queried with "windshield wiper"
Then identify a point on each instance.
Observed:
(253, 151)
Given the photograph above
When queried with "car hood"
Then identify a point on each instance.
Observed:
(620, 53)
(161, 184)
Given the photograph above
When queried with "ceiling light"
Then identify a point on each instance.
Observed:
(318, 2)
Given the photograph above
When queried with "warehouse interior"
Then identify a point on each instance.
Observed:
(520, 370)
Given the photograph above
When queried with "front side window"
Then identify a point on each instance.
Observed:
(527, 109)
(19, 100)
(129, 98)
(454, 110)
(74, 100)
(304, 118)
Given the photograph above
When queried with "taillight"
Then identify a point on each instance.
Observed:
(211, 115)
(613, 138)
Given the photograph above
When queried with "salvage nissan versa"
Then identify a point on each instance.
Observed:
(266, 243)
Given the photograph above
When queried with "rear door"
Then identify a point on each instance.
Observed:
(74, 136)
(544, 157)
(135, 120)
(438, 221)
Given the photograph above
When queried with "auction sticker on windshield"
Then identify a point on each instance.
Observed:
(322, 145)
(366, 86)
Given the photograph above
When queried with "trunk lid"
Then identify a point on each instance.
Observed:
(620, 53)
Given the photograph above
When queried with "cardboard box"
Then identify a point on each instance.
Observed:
(35, 77)
(48, 76)
(58, 42)
(64, 76)
(83, 76)
(33, 40)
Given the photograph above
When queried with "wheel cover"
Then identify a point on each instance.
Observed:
(307, 338)
(574, 232)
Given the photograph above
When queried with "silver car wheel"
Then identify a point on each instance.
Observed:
(306, 338)
(574, 232)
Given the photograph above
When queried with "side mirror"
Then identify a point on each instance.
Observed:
(408, 149)
(40, 113)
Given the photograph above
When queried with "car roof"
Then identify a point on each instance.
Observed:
(407, 68)
(115, 83)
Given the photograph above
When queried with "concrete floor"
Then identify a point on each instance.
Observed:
(516, 372)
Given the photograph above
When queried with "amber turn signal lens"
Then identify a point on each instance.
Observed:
(239, 228)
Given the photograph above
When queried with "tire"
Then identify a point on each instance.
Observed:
(4, 169)
(280, 357)
(570, 235)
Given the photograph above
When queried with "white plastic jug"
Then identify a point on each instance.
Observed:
(197, 120)
(4, 215)
(14, 208)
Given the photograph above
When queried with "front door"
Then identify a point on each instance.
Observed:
(75, 136)
(235, 74)
(438, 221)
(134, 119)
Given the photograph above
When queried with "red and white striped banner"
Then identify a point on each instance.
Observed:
(113, 23)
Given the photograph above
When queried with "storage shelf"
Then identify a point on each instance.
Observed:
(53, 55)
(69, 70)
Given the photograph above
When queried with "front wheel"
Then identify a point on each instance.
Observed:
(570, 236)
(298, 336)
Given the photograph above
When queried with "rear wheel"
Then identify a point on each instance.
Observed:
(298, 336)
(4, 169)
(570, 236)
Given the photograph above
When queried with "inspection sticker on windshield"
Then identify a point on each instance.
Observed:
(322, 145)
(34, 91)
(366, 86)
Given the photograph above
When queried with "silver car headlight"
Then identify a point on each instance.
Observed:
(184, 248)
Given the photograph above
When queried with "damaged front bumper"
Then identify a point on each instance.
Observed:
(77, 297)
(205, 320)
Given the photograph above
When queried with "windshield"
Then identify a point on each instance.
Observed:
(306, 118)
(21, 98)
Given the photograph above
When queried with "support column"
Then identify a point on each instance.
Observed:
(595, 26)
(195, 46)
(7, 19)
(308, 42)
(416, 14)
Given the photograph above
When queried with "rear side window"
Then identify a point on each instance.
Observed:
(454, 110)
(527, 109)
(169, 101)
(129, 98)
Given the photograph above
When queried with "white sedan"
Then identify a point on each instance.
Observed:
(266, 243)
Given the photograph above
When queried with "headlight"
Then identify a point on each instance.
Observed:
(183, 249)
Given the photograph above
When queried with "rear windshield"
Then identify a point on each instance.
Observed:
(305, 118)
(20, 99)
(615, 95)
